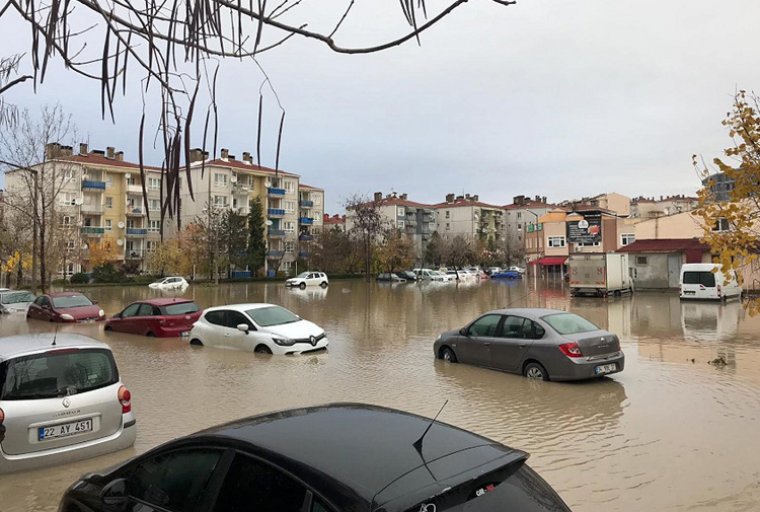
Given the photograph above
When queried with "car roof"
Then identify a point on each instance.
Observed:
(528, 312)
(163, 301)
(22, 344)
(63, 294)
(243, 307)
(366, 451)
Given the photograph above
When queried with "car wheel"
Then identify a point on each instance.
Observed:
(535, 371)
(323, 285)
(107, 328)
(196, 341)
(263, 349)
(302, 286)
(448, 355)
(150, 335)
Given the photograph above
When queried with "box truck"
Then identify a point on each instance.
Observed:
(599, 274)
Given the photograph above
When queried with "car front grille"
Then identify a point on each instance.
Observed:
(317, 339)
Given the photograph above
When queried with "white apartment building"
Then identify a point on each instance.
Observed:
(467, 216)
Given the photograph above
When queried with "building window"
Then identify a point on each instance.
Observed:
(401, 211)
(69, 198)
(588, 244)
(154, 183)
(401, 224)
(641, 260)
(519, 227)
(289, 246)
(109, 181)
(448, 214)
(627, 238)
(519, 215)
(289, 226)
(71, 245)
(317, 200)
(150, 245)
(448, 226)
(109, 224)
(154, 204)
(556, 241)
(109, 202)
(220, 180)
(220, 201)
(290, 206)
(66, 220)
(721, 225)
(154, 225)
(290, 186)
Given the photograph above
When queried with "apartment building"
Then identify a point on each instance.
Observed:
(650, 208)
(311, 203)
(334, 222)
(467, 216)
(98, 201)
(611, 201)
(522, 212)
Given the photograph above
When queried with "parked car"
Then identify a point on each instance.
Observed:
(708, 281)
(170, 283)
(407, 274)
(162, 318)
(263, 328)
(327, 458)
(545, 344)
(61, 400)
(426, 274)
(390, 276)
(493, 270)
(515, 268)
(15, 301)
(65, 307)
(305, 279)
(506, 274)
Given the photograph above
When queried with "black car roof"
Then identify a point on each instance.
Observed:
(367, 452)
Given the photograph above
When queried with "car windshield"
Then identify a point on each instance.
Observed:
(71, 301)
(182, 308)
(272, 315)
(569, 323)
(56, 373)
(16, 297)
(303, 275)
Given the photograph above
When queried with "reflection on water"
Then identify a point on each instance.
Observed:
(670, 433)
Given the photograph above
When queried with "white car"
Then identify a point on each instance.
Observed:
(305, 279)
(16, 301)
(170, 283)
(61, 400)
(515, 268)
(262, 328)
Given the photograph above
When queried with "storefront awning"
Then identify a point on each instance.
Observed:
(549, 261)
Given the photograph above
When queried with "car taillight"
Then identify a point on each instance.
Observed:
(2, 427)
(2, 416)
(571, 349)
(125, 397)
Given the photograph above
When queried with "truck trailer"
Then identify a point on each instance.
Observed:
(599, 274)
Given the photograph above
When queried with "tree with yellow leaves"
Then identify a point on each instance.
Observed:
(732, 223)
(101, 252)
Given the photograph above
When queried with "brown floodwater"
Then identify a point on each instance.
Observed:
(670, 433)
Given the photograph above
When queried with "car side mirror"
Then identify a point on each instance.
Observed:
(243, 328)
(463, 331)
(114, 495)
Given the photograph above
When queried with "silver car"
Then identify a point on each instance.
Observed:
(545, 344)
(15, 301)
(61, 400)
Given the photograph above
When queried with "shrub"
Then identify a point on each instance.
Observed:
(79, 278)
(106, 273)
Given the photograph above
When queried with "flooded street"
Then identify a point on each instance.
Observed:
(670, 433)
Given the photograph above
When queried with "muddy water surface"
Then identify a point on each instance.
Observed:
(671, 433)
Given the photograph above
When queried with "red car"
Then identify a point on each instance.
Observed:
(164, 318)
(65, 307)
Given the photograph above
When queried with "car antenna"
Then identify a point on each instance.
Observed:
(418, 443)
(55, 335)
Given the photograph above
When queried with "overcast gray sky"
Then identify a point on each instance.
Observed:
(555, 98)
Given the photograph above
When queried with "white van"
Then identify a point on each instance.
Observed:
(707, 281)
(426, 274)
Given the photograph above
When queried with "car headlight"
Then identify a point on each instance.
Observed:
(101, 313)
(67, 317)
(285, 342)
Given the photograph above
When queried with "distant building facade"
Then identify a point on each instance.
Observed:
(467, 216)
(649, 207)
(521, 214)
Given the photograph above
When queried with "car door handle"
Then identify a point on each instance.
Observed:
(523, 345)
(487, 344)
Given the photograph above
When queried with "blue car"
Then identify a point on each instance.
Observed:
(507, 274)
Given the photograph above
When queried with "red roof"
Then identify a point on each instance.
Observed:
(239, 164)
(465, 202)
(665, 245)
(528, 204)
(549, 261)
(98, 159)
(304, 185)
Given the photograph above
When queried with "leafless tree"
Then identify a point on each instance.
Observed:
(367, 223)
(10, 77)
(176, 48)
(459, 251)
(35, 179)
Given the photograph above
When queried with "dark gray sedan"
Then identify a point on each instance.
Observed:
(545, 344)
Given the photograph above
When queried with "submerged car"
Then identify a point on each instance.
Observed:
(170, 283)
(305, 279)
(545, 344)
(329, 458)
(61, 400)
(162, 318)
(15, 301)
(262, 328)
(507, 274)
(65, 307)
(390, 276)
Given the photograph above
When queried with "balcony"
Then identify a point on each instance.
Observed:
(241, 188)
(304, 203)
(92, 231)
(275, 212)
(137, 231)
(275, 254)
(275, 192)
(276, 233)
(135, 212)
(93, 185)
(306, 221)
(134, 189)
(305, 237)
(92, 209)
(134, 255)
(428, 218)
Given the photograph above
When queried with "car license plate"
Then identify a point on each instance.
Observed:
(605, 368)
(64, 430)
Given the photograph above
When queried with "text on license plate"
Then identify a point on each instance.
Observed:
(64, 430)
(605, 368)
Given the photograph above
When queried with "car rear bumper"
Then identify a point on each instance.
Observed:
(582, 368)
(173, 332)
(119, 440)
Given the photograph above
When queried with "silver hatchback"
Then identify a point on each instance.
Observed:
(61, 400)
(545, 344)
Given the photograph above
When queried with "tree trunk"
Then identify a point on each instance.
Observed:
(35, 229)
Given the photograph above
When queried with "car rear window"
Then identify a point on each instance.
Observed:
(272, 315)
(71, 301)
(182, 308)
(57, 373)
(569, 323)
(16, 297)
(705, 278)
